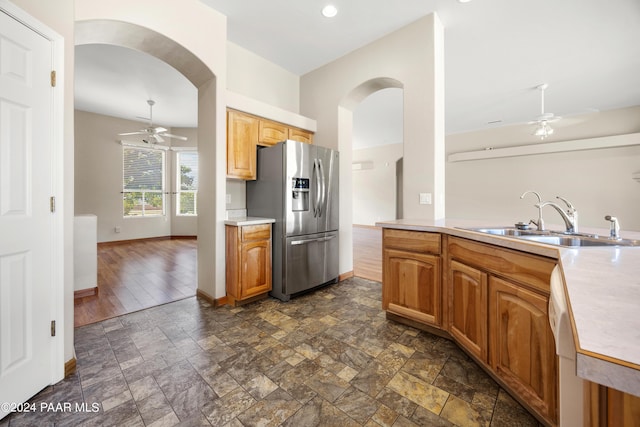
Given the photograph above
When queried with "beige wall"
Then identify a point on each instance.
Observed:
(597, 182)
(253, 76)
(411, 58)
(374, 186)
(98, 180)
(196, 46)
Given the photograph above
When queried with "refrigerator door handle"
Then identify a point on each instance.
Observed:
(317, 176)
(323, 199)
(304, 242)
(319, 239)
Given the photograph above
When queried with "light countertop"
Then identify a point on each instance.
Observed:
(248, 220)
(602, 285)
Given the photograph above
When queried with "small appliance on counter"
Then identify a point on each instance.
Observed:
(297, 184)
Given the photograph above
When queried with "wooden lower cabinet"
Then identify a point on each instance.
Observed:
(412, 285)
(248, 272)
(412, 278)
(468, 308)
(607, 407)
(522, 346)
(493, 303)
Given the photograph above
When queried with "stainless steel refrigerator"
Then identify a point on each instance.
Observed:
(297, 185)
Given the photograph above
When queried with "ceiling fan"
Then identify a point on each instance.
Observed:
(543, 128)
(153, 134)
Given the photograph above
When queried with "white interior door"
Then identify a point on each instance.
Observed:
(26, 222)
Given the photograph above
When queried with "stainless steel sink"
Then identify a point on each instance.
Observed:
(557, 238)
(573, 241)
(508, 231)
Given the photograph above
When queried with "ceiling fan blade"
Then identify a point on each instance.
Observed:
(168, 135)
(140, 132)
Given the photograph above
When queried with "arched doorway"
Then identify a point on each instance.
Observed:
(345, 130)
(377, 153)
(210, 130)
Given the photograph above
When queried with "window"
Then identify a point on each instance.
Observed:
(143, 182)
(187, 180)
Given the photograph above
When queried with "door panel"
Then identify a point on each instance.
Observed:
(329, 171)
(468, 307)
(305, 265)
(26, 224)
(300, 218)
(522, 349)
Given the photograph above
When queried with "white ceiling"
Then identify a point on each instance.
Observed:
(496, 52)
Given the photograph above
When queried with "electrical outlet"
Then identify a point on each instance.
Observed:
(425, 198)
(116, 228)
(228, 199)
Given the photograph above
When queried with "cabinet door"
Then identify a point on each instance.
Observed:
(522, 348)
(242, 137)
(300, 135)
(271, 133)
(255, 258)
(411, 285)
(468, 308)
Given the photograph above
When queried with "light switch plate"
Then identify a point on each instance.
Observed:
(425, 198)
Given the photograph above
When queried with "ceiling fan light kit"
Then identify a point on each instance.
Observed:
(153, 135)
(543, 128)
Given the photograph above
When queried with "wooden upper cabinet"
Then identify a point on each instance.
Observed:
(522, 347)
(242, 136)
(468, 299)
(300, 135)
(271, 133)
(245, 132)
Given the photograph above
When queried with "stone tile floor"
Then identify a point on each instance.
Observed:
(329, 358)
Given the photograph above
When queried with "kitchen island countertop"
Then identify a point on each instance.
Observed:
(602, 285)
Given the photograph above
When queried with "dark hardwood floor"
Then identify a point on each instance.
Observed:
(367, 252)
(138, 274)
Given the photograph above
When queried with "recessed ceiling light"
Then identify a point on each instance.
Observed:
(329, 11)
(464, 1)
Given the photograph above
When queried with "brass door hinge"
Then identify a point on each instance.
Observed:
(53, 78)
(52, 203)
(53, 328)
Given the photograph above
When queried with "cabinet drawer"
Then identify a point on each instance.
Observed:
(412, 241)
(256, 232)
(521, 267)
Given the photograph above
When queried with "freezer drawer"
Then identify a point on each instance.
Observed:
(311, 260)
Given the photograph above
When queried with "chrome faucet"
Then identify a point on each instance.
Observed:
(540, 222)
(570, 216)
(614, 233)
